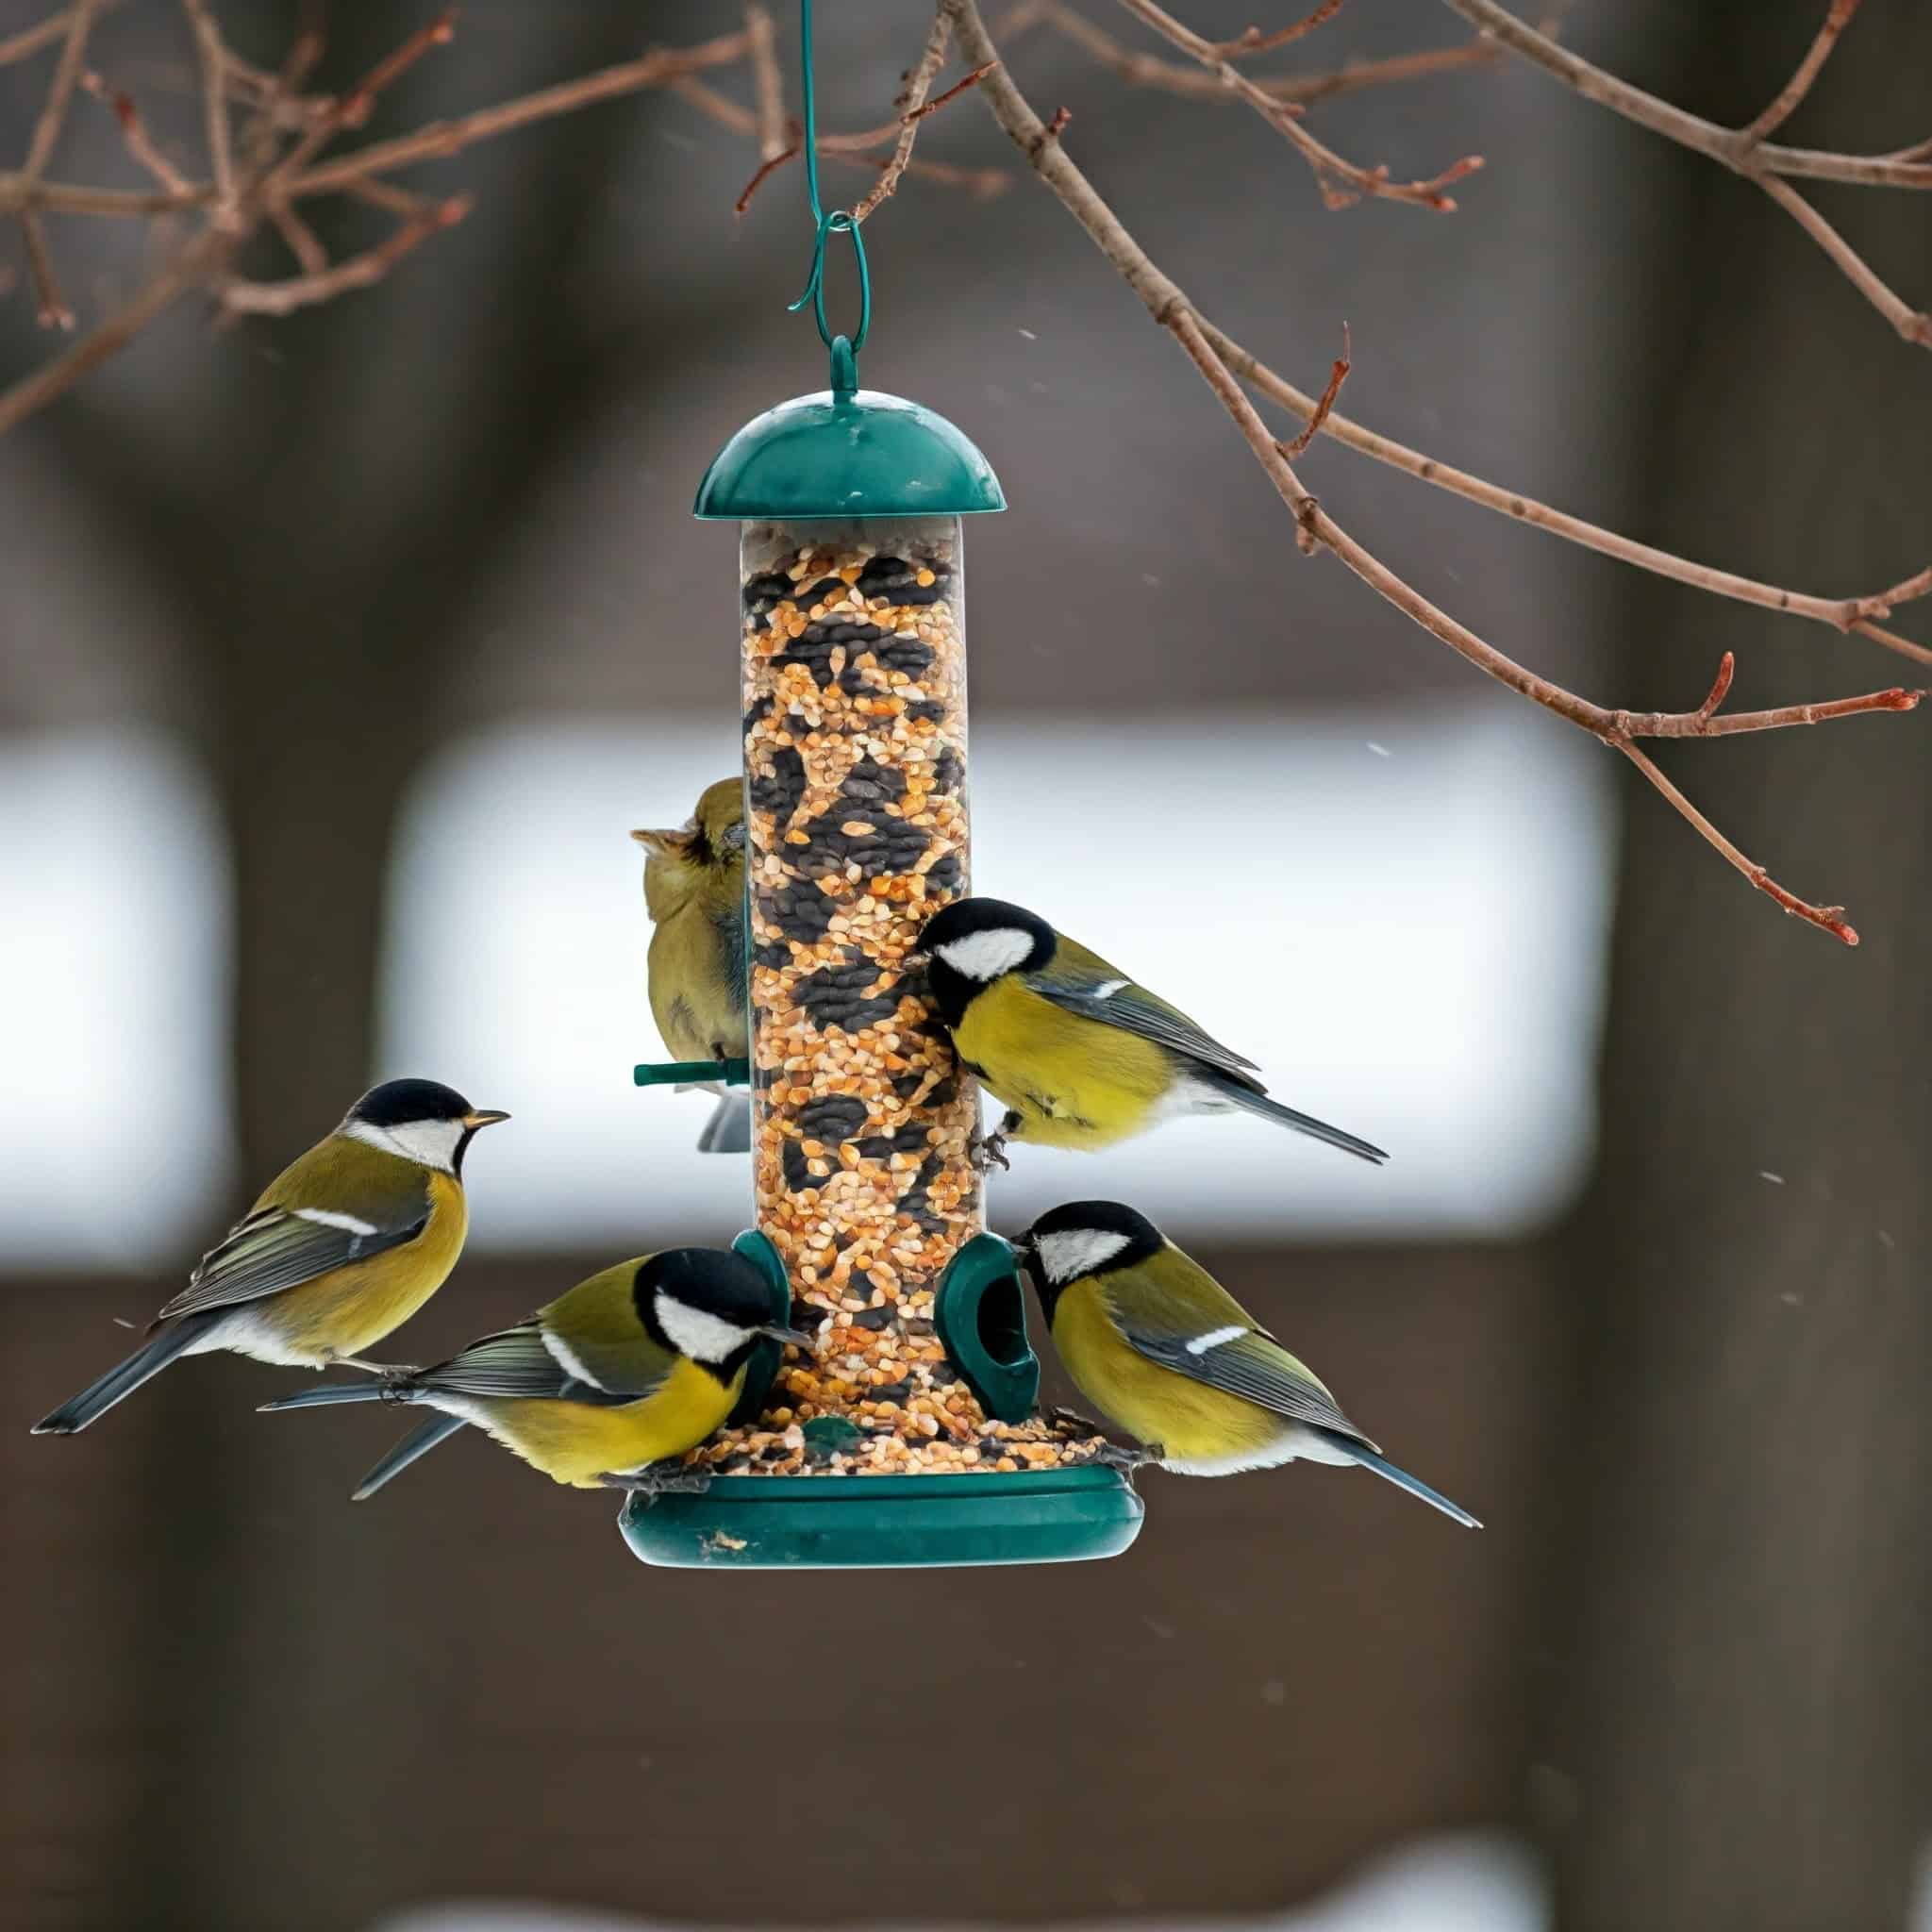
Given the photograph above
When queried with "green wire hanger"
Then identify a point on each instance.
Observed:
(837, 221)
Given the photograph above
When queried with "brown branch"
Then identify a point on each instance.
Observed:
(1169, 307)
(1829, 919)
(1342, 182)
(51, 309)
(1143, 70)
(302, 239)
(444, 138)
(1726, 145)
(29, 41)
(50, 305)
(765, 171)
(1777, 110)
(1912, 323)
(1255, 41)
(1338, 374)
(911, 104)
(359, 272)
(768, 84)
(1840, 613)
(214, 92)
(140, 147)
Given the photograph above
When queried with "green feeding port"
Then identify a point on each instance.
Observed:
(691, 1072)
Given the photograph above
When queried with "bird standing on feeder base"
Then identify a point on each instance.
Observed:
(342, 1246)
(695, 894)
(1081, 1055)
(621, 1374)
(1162, 1349)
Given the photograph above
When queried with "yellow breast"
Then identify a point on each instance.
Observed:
(577, 1443)
(1186, 1418)
(1073, 1082)
(694, 983)
(350, 1309)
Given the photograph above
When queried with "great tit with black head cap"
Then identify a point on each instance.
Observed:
(342, 1246)
(1163, 1349)
(1081, 1056)
(695, 894)
(628, 1369)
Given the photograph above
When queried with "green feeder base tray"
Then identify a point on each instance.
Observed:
(887, 1522)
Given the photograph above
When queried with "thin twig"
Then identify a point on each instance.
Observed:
(1169, 307)
(214, 92)
(1777, 110)
(1840, 613)
(441, 139)
(1337, 377)
(1912, 324)
(140, 145)
(21, 45)
(302, 239)
(768, 84)
(1723, 145)
(358, 272)
(1829, 919)
(1192, 83)
(1341, 181)
(911, 100)
(1255, 41)
(51, 307)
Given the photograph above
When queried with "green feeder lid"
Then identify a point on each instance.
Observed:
(1066, 1515)
(848, 452)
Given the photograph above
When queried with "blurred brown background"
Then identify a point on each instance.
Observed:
(1688, 1657)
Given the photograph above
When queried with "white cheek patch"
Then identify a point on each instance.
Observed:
(325, 1217)
(1077, 1251)
(704, 1337)
(1216, 1338)
(984, 956)
(430, 1143)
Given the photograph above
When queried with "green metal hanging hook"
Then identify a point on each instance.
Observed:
(837, 221)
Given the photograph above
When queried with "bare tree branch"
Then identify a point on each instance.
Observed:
(1170, 308)
(1778, 110)
(52, 311)
(359, 272)
(214, 90)
(1255, 41)
(1341, 181)
(139, 146)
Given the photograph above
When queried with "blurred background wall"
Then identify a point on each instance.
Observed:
(340, 653)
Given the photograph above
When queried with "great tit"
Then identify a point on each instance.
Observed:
(627, 1370)
(343, 1245)
(1164, 1351)
(1081, 1056)
(695, 894)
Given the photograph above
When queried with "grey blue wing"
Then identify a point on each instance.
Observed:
(728, 1131)
(1252, 1365)
(1083, 983)
(276, 1248)
(518, 1364)
(1245, 1096)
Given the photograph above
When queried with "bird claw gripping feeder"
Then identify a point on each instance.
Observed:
(908, 1437)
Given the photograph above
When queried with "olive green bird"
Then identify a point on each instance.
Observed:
(342, 1246)
(1160, 1347)
(695, 894)
(626, 1370)
(1081, 1055)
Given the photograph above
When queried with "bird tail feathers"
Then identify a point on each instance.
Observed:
(1402, 1479)
(1237, 1093)
(728, 1131)
(327, 1395)
(123, 1379)
(417, 1444)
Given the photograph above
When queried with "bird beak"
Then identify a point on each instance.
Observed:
(915, 960)
(660, 844)
(483, 1117)
(776, 1331)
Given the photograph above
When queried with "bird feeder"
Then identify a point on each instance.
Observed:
(908, 1437)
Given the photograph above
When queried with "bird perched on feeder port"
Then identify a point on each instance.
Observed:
(1081, 1055)
(342, 1246)
(695, 894)
(626, 1370)
(1163, 1349)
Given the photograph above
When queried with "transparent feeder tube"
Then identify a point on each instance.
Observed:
(855, 758)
